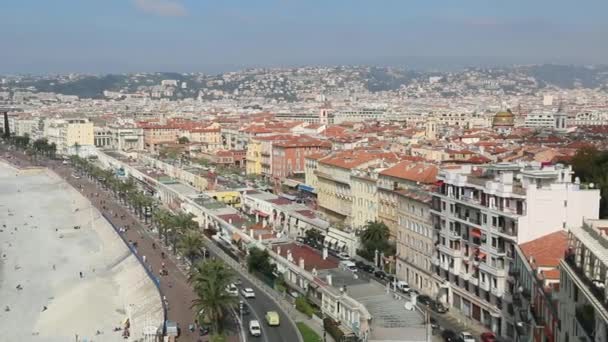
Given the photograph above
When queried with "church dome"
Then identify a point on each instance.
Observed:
(503, 118)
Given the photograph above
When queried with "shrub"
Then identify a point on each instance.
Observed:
(303, 306)
(332, 329)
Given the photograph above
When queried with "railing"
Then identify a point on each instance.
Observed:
(598, 296)
(151, 275)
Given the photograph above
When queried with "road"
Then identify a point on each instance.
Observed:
(175, 286)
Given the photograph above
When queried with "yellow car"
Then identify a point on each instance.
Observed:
(272, 318)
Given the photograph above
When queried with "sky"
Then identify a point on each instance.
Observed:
(104, 36)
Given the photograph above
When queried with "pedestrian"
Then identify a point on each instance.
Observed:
(81, 275)
(144, 259)
(53, 267)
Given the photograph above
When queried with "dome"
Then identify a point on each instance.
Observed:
(505, 118)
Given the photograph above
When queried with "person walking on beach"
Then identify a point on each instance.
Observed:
(81, 275)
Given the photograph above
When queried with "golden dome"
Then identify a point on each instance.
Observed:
(504, 118)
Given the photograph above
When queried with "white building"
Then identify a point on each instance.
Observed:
(481, 213)
(583, 294)
(72, 136)
(359, 115)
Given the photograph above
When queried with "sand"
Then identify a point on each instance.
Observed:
(41, 251)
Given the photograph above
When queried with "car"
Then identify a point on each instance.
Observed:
(390, 278)
(380, 274)
(238, 282)
(488, 337)
(449, 336)
(272, 318)
(343, 256)
(438, 307)
(75, 176)
(466, 337)
(424, 300)
(254, 328)
(232, 290)
(403, 286)
(368, 268)
(248, 292)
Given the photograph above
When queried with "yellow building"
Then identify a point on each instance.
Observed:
(365, 196)
(71, 135)
(231, 198)
(254, 157)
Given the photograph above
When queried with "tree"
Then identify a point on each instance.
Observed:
(374, 231)
(190, 245)
(183, 140)
(180, 224)
(591, 166)
(313, 234)
(210, 280)
(162, 219)
(259, 261)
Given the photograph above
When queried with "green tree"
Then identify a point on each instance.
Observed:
(180, 224)
(591, 166)
(210, 280)
(162, 220)
(374, 231)
(190, 245)
(183, 140)
(258, 260)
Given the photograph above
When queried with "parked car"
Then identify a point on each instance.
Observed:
(403, 286)
(272, 318)
(424, 300)
(380, 274)
(203, 330)
(390, 278)
(488, 337)
(449, 336)
(343, 256)
(438, 307)
(254, 328)
(248, 292)
(466, 337)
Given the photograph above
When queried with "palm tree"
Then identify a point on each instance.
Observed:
(210, 280)
(375, 231)
(181, 223)
(161, 219)
(190, 245)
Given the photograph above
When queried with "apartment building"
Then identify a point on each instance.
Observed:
(403, 175)
(364, 189)
(583, 295)
(359, 115)
(310, 168)
(72, 136)
(288, 156)
(414, 240)
(481, 213)
(334, 196)
(532, 291)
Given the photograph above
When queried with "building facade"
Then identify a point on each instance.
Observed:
(480, 214)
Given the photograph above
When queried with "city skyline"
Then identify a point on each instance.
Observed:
(211, 36)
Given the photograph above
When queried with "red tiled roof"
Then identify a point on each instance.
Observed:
(547, 250)
(413, 171)
(312, 258)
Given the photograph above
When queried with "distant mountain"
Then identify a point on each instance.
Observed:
(569, 76)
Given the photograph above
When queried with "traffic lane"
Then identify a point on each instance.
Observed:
(260, 305)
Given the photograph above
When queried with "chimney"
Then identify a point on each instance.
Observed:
(260, 237)
(301, 263)
(324, 253)
(289, 257)
(314, 271)
(230, 220)
(264, 223)
(329, 279)
(251, 233)
(279, 250)
(244, 228)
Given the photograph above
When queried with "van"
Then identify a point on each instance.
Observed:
(403, 286)
(272, 318)
(348, 265)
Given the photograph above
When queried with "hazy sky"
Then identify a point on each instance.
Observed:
(207, 35)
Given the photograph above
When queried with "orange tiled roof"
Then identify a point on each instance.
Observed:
(547, 250)
(413, 171)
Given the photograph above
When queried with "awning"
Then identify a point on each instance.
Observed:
(330, 240)
(341, 245)
(236, 237)
(257, 212)
(291, 183)
(481, 255)
(476, 233)
(308, 188)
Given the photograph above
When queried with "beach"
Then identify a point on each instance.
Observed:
(65, 274)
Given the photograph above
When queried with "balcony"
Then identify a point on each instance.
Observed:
(585, 317)
(455, 253)
(497, 292)
(484, 285)
(596, 296)
(498, 272)
(474, 281)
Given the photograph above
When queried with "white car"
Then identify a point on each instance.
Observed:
(254, 328)
(232, 290)
(75, 176)
(466, 337)
(248, 292)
